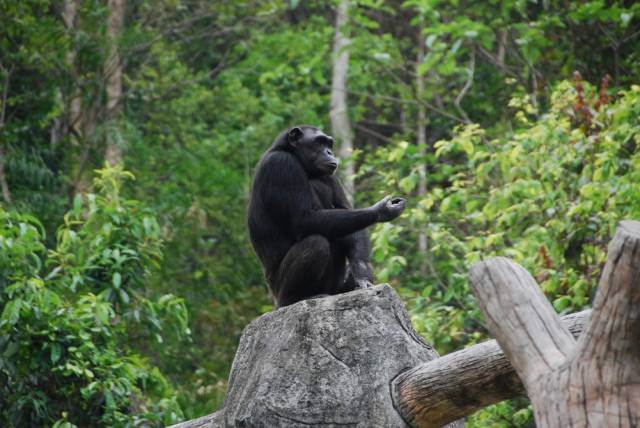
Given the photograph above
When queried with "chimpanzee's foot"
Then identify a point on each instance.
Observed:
(363, 284)
(315, 296)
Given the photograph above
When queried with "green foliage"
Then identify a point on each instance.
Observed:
(503, 415)
(549, 196)
(67, 315)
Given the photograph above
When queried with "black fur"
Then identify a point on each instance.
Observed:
(301, 224)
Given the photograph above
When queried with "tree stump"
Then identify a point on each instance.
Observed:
(322, 362)
(592, 382)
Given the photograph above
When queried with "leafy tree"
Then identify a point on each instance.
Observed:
(68, 315)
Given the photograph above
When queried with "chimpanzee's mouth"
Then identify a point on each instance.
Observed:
(331, 167)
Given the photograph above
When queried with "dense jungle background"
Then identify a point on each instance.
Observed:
(129, 130)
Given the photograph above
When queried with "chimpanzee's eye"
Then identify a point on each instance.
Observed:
(323, 139)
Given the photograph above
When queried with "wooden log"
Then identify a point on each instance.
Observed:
(458, 384)
(595, 382)
(523, 321)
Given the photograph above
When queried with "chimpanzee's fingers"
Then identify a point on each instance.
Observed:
(396, 203)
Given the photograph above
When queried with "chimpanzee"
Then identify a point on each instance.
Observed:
(301, 225)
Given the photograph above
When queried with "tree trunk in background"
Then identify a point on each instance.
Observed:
(77, 124)
(6, 194)
(340, 124)
(421, 125)
(74, 106)
(113, 74)
(502, 46)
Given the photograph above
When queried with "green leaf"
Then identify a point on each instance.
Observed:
(102, 313)
(117, 280)
(562, 303)
(467, 145)
(11, 312)
(56, 351)
(77, 205)
(625, 18)
(123, 296)
(408, 183)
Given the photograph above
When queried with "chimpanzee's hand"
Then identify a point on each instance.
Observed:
(388, 208)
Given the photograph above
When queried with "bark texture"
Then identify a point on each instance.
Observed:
(113, 74)
(421, 133)
(323, 362)
(214, 420)
(6, 193)
(458, 384)
(594, 382)
(339, 113)
(74, 107)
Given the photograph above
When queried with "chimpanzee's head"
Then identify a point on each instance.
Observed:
(313, 148)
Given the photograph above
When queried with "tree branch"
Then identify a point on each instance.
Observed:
(467, 86)
(520, 317)
(460, 383)
(616, 309)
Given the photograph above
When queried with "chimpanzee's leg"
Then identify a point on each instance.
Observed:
(306, 270)
(358, 273)
(349, 283)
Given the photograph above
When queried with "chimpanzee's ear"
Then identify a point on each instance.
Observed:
(295, 134)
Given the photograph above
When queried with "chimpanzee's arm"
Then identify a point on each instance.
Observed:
(283, 185)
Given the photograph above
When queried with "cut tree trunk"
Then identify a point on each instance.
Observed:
(322, 362)
(457, 385)
(592, 382)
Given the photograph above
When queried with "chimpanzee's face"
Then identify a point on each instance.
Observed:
(315, 149)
